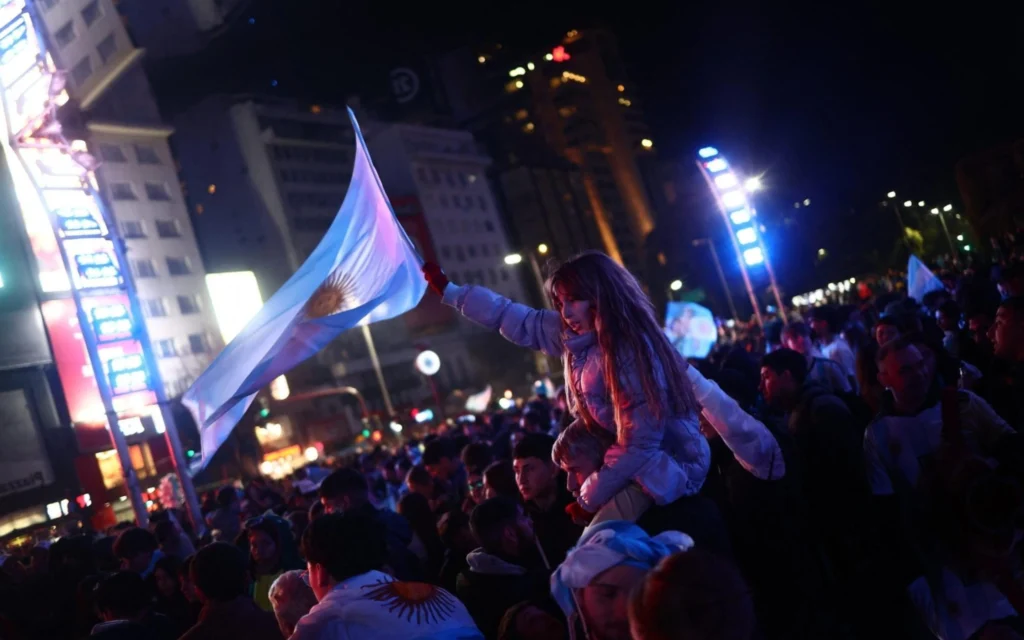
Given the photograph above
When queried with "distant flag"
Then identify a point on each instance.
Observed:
(364, 270)
(478, 402)
(920, 280)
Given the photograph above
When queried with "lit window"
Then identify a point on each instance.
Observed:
(212, 189)
(522, 114)
(112, 153)
(528, 127)
(122, 191)
(716, 165)
(733, 199)
(315, 109)
(146, 154)
(726, 181)
(746, 235)
(753, 256)
(65, 35)
(81, 71)
(740, 217)
(178, 266)
(157, 192)
(107, 48)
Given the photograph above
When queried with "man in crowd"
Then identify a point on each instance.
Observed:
(611, 559)
(828, 446)
(345, 554)
(506, 569)
(797, 336)
(346, 491)
(123, 605)
(900, 450)
(442, 461)
(825, 325)
(545, 496)
(220, 575)
(1005, 384)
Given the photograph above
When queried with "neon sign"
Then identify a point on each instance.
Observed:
(111, 322)
(97, 270)
(559, 54)
(126, 373)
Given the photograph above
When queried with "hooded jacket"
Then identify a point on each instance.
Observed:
(491, 585)
(668, 458)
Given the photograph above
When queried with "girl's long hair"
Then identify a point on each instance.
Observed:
(626, 328)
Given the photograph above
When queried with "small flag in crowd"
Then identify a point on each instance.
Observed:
(364, 269)
(920, 280)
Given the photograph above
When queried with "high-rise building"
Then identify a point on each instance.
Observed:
(168, 28)
(110, 94)
(570, 102)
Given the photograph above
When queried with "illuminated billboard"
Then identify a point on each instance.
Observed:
(236, 300)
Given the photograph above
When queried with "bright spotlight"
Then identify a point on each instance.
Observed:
(753, 184)
(676, 285)
(753, 256)
(542, 249)
(513, 258)
(716, 165)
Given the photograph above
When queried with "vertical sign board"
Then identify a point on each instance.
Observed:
(70, 240)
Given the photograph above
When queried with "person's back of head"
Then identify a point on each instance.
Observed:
(694, 595)
(226, 496)
(419, 480)
(134, 543)
(500, 480)
(490, 520)
(476, 456)
(787, 361)
(437, 450)
(121, 596)
(344, 489)
(341, 546)
(220, 573)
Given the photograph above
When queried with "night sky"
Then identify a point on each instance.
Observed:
(836, 106)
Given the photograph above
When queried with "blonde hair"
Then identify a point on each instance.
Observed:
(628, 333)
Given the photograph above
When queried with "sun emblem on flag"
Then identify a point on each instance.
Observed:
(428, 603)
(334, 295)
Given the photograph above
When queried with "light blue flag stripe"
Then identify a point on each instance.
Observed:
(364, 268)
(920, 279)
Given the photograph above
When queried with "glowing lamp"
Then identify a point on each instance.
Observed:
(428, 363)
(708, 152)
(753, 256)
(747, 235)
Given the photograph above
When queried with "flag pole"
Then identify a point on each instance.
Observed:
(377, 369)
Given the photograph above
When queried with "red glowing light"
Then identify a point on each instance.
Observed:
(559, 54)
(376, 437)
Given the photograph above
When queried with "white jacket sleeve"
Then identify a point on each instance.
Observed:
(538, 329)
(751, 443)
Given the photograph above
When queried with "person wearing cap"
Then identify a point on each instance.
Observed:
(594, 582)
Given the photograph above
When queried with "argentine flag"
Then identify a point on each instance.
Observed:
(364, 269)
(920, 279)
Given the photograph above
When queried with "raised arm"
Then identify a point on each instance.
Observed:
(751, 443)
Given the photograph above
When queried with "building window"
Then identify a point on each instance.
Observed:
(168, 229)
(485, 250)
(157, 192)
(456, 201)
(471, 250)
(48, 4)
(421, 173)
(81, 71)
(110, 467)
(483, 202)
(443, 199)
(446, 253)
(133, 229)
(146, 154)
(504, 275)
(488, 225)
(198, 343)
(65, 35)
(92, 12)
(460, 255)
(435, 177)
(112, 153)
(154, 308)
(449, 178)
(178, 266)
(122, 191)
(493, 275)
(144, 268)
(188, 305)
(166, 348)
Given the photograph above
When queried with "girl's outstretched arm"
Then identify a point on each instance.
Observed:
(536, 329)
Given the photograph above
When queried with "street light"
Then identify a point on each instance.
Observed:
(513, 258)
(948, 207)
(542, 249)
(753, 184)
(908, 203)
(935, 211)
(676, 285)
(891, 194)
(920, 203)
(960, 238)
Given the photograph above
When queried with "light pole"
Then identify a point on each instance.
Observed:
(899, 216)
(516, 258)
(721, 274)
(945, 229)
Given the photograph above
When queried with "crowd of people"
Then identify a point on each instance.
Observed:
(853, 473)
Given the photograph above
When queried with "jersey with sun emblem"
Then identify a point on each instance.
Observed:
(375, 606)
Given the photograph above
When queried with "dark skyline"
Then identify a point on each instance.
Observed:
(833, 106)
